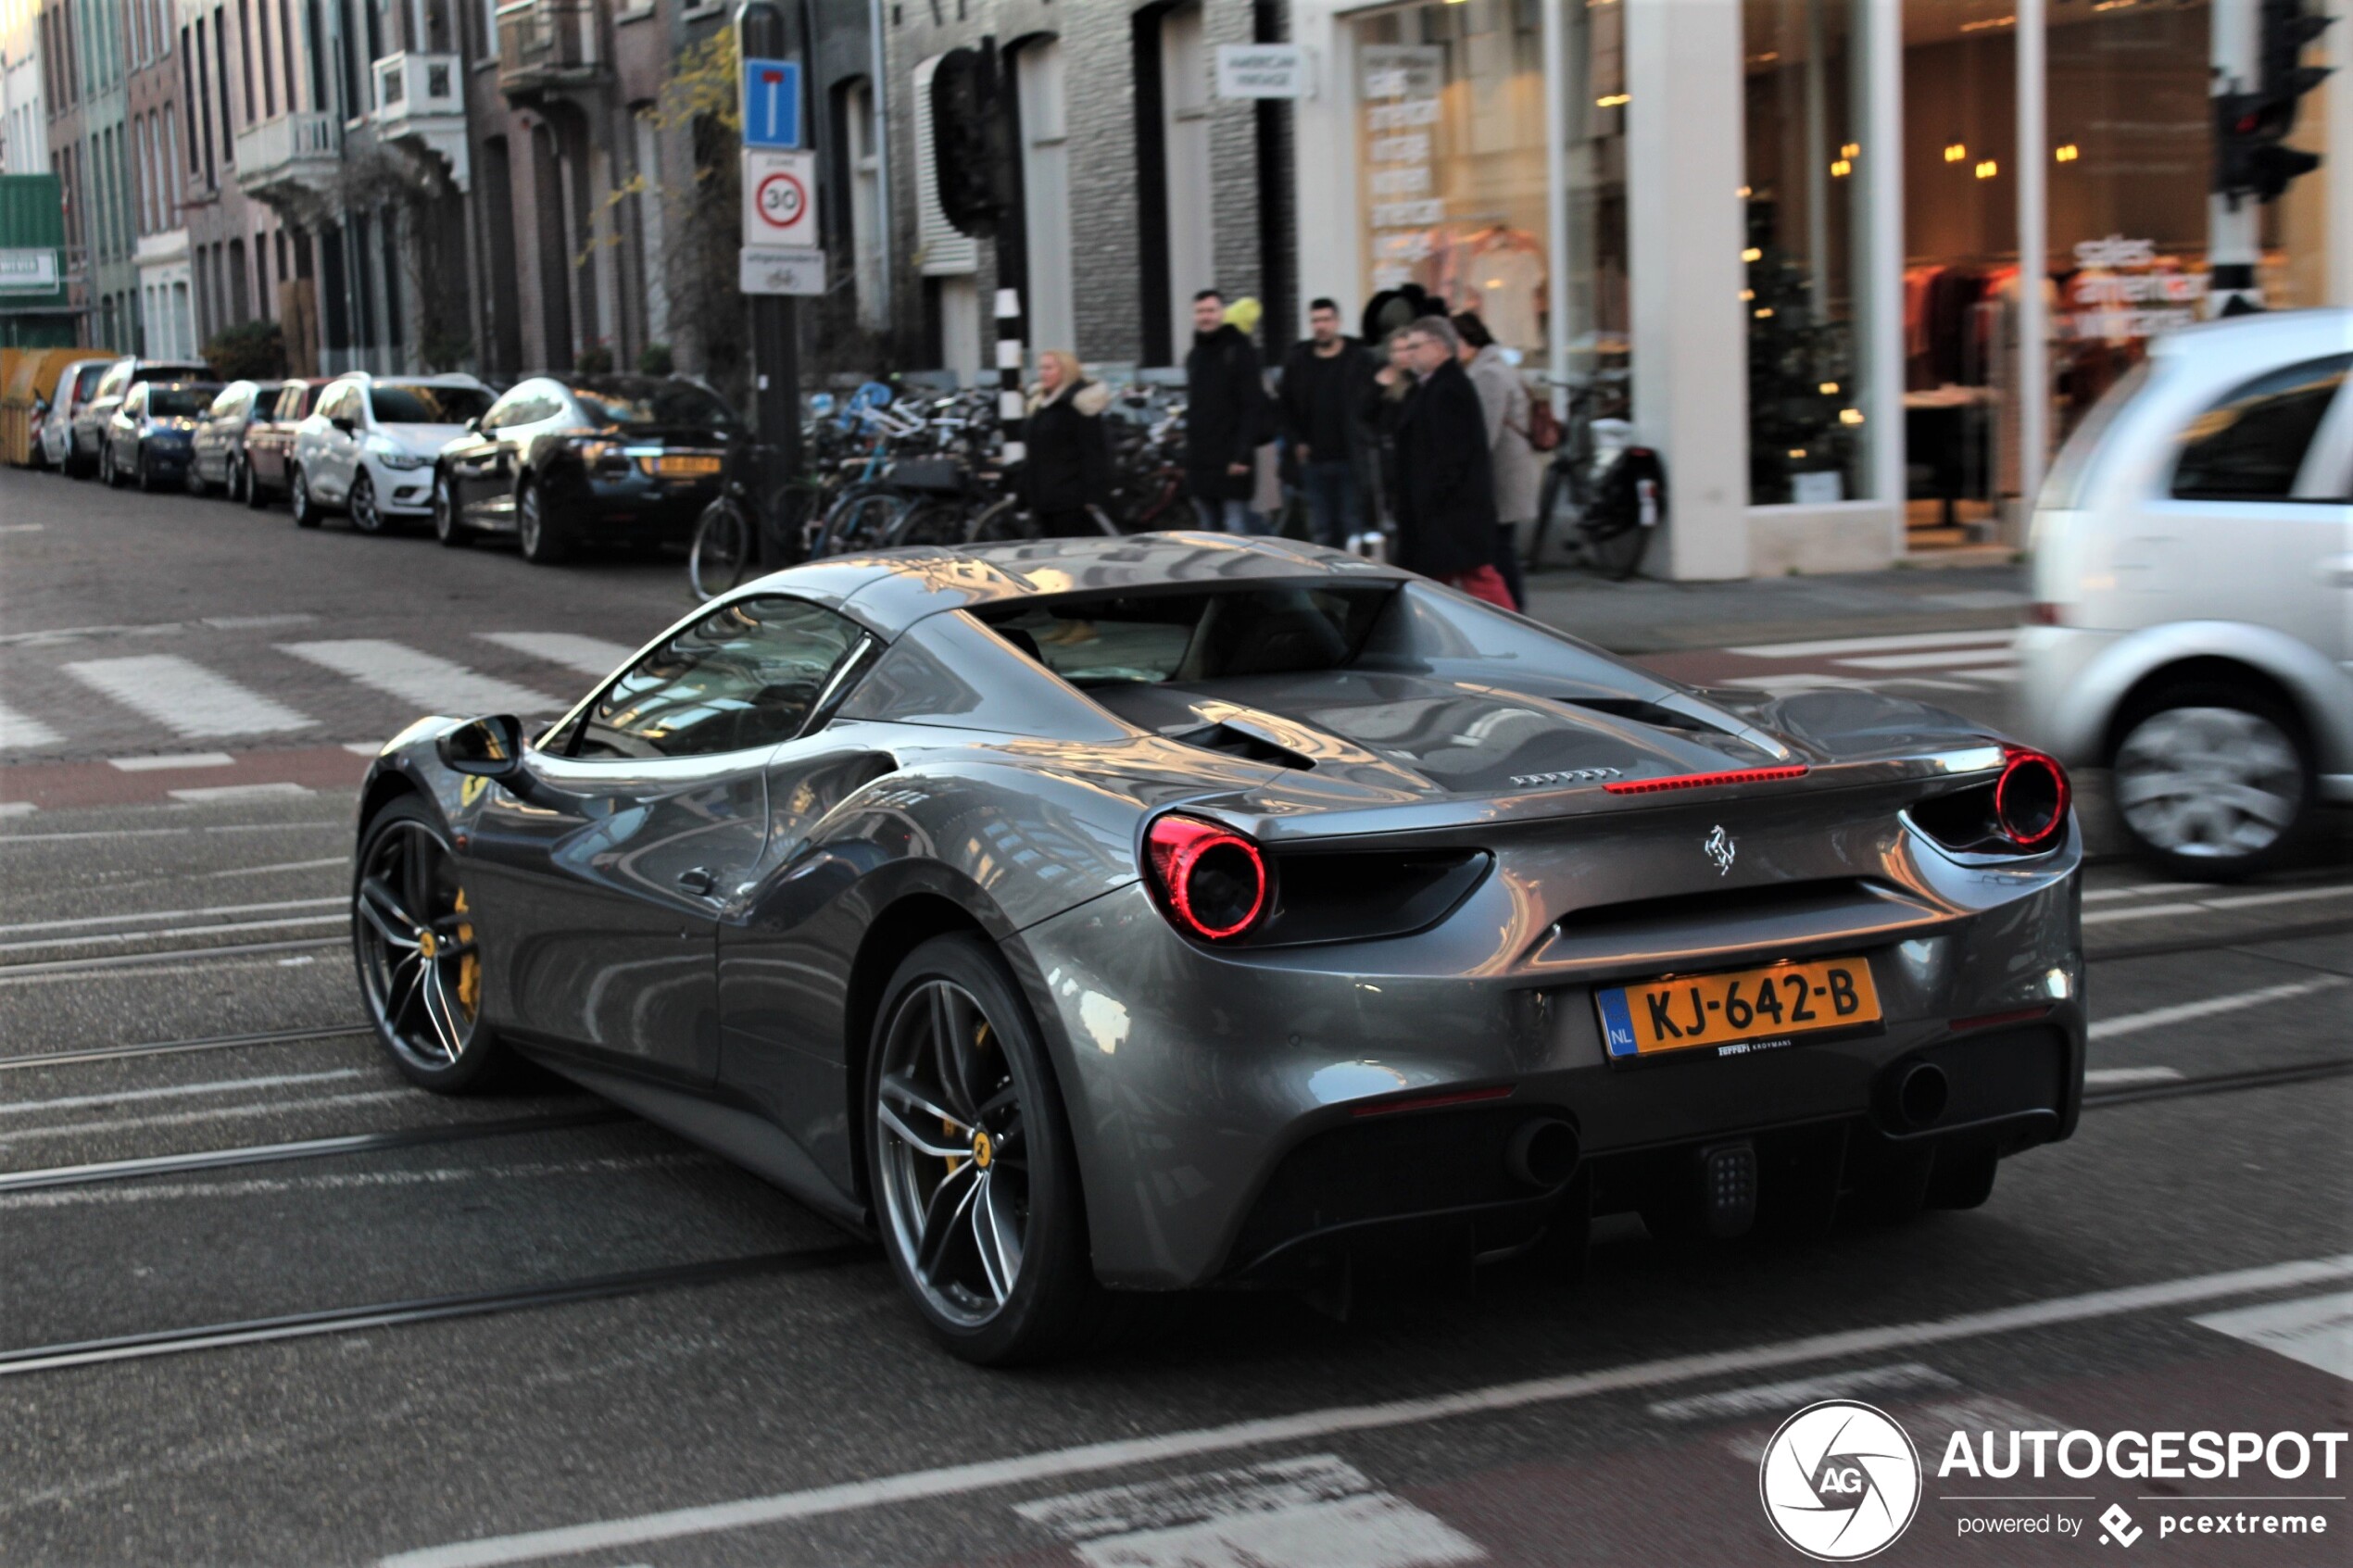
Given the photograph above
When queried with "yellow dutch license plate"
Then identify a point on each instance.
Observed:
(685, 468)
(1743, 1010)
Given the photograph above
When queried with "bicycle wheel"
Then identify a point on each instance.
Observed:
(722, 548)
(930, 522)
(1001, 523)
(1614, 546)
(1548, 500)
(860, 520)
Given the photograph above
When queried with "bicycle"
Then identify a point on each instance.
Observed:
(1616, 490)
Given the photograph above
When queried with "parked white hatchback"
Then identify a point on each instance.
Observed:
(2193, 581)
(368, 447)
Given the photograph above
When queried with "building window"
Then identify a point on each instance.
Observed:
(1451, 162)
(1807, 172)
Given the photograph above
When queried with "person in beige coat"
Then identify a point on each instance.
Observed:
(1519, 471)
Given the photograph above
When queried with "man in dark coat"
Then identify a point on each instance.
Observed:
(1225, 419)
(1325, 381)
(1445, 499)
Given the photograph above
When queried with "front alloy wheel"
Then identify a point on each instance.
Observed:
(2212, 786)
(445, 526)
(974, 1181)
(413, 936)
(299, 502)
(365, 515)
(536, 531)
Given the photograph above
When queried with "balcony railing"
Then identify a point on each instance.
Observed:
(548, 43)
(409, 85)
(289, 150)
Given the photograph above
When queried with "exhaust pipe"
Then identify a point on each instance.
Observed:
(1920, 1096)
(1543, 1153)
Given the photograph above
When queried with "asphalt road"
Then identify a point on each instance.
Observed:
(522, 1329)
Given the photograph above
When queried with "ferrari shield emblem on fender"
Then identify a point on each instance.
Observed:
(1719, 844)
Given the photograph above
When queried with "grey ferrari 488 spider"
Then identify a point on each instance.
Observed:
(1095, 916)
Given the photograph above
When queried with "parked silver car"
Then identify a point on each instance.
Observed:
(2193, 568)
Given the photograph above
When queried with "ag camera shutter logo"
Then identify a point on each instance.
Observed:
(1840, 1481)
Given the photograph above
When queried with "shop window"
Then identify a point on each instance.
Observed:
(2250, 445)
(1807, 172)
(1451, 159)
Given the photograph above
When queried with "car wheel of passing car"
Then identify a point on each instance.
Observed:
(413, 936)
(299, 501)
(542, 540)
(365, 515)
(192, 479)
(2213, 780)
(445, 526)
(974, 1176)
(144, 471)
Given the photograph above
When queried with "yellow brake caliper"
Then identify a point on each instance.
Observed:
(470, 966)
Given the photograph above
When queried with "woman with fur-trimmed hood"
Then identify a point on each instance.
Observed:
(1068, 468)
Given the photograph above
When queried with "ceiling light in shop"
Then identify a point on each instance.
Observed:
(2067, 152)
(1852, 149)
(1850, 416)
(1955, 152)
(1613, 101)
(1752, 253)
(1987, 168)
(1829, 389)
(1992, 22)
(1764, 312)
(1841, 168)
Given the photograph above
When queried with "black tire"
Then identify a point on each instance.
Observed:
(1617, 550)
(366, 516)
(107, 469)
(192, 479)
(861, 519)
(542, 539)
(930, 522)
(143, 472)
(2191, 762)
(1053, 1304)
(256, 495)
(445, 526)
(1548, 500)
(425, 1009)
(1004, 523)
(299, 500)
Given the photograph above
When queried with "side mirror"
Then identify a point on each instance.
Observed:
(484, 748)
(345, 424)
(474, 425)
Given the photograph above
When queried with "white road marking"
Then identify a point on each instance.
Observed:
(224, 794)
(18, 807)
(21, 731)
(177, 760)
(1878, 644)
(187, 698)
(1317, 1511)
(71, 971)
(281, 866)
(22, 527)
(1954, 659)
(2285, 895)
(2207, 1007)
(1780, 1399)
(1786, 685)
(111, 1195)
(2317, 1330)
(176, 1091)
(2115, 1077)
(82, 923)
(67, 633)
(191, 1118)
(1313, 1426)
(590, 656)
(2208, 906)
(1928, 683)
(363, 747)
(94, 937)
(2143, 890)
(431, 682)
(258, 623)
(2144, 911)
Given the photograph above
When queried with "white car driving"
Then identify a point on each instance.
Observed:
(2193, 578)
(368, 448)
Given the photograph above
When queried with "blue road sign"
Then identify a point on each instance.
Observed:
(772, 103)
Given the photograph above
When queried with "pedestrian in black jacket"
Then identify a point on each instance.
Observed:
(1445, 497)
(1322, 404)
(1068, 466)
(1225, 419)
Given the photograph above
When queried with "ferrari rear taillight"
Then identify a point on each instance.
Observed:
(2030, 799)
(1212, 881)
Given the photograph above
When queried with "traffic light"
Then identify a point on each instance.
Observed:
(969, 145)
(2251, 129)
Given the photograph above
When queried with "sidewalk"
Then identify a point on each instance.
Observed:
(1650, 617)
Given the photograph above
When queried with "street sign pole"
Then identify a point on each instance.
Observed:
(763, 33)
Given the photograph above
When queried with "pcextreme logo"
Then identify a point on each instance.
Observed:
(1841, 1480)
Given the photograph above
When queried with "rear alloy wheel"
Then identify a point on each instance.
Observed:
(366, 516)
(254, 495)
(192, 479)
(299, 501)
(542, 540)
(970, 1162)
(2213, 781)
(107, 469)
(144, 471)
(445, 526)
(413, 937)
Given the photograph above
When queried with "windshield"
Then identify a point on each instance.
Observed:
(640, 401)
(176, 402)
(87, 382)
(1221, 634)
(398, 404)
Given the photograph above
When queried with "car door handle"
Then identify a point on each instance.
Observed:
(698, 882)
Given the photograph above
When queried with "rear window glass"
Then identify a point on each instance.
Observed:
(175, 401)
(2249, 446)
(1223, 634)
(398, 405)
(87, 382)
(634, 402)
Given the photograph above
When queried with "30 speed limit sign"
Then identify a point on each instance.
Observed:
(780, 199)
